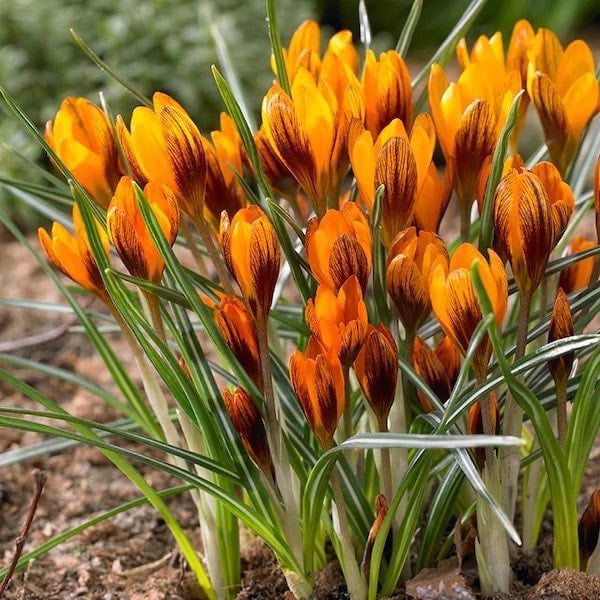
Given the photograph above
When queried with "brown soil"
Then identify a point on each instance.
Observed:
(132, 556)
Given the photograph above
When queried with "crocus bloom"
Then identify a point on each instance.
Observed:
(469, 116)
(432, 371)
(387, 89)
(488, 53)
(339, 320)
(251, 251)
(249, 424)
(523, 227)
(317, 378)
(72, 254)
(411, 261)
(239, 332)
(429, 200)
(563, 87)
(455, 302)
(578, 276)
(308, 131)
(531, 211)
(304, 50)
(376, 369)
(128, 231)
(165, 146)
(82, 137)
(561, 326)
(339, 246)
(278, 175)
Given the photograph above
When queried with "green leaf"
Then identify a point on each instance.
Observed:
(566, 545)
(276, 48)
(409, 28)
(448, 46)
(104, 67)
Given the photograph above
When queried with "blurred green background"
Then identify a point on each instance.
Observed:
(167, 45)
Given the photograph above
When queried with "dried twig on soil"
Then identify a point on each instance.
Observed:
(39, 477)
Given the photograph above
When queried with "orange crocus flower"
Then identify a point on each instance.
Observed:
(72, 254)
(579, 275)
(304, 50)
(82, 137)
(165, 146)
(531, 211)
(376, 369)
(246, 418)
(239, 332)
(431, 371)
(387, 90)
(427, 202)
(563, 87)
(455, 303)
(488, 53)
(278, 175)
(469, 115)
(339, 246)
(308, 131)
(318, 380)
(251, 251)
(411, 261)
(129, 233)
(561, 326)
(339, 319)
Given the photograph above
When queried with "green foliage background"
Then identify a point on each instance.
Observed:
(167, 45)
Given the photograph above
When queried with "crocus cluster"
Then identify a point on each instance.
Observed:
(340, 147)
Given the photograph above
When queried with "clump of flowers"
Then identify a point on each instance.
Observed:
(301, 299)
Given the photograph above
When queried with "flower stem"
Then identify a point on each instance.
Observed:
(347, 415)
(357, 588)
(561, 409)
(281, 463)
(386, 465)
(155, 316)
(214, 254)
(513, 421)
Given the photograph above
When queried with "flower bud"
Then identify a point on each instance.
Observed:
(82, 137)
(251, 252)
(432, 371)
(455, 302)
(339, 320)
(381, 509)
(561, 326)
(249, 424)
(72, 254)
(239, 332)
(129, 233)
(317, 378)
(411, 261)
(339, 246)
(166, 146)
(376, 368)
